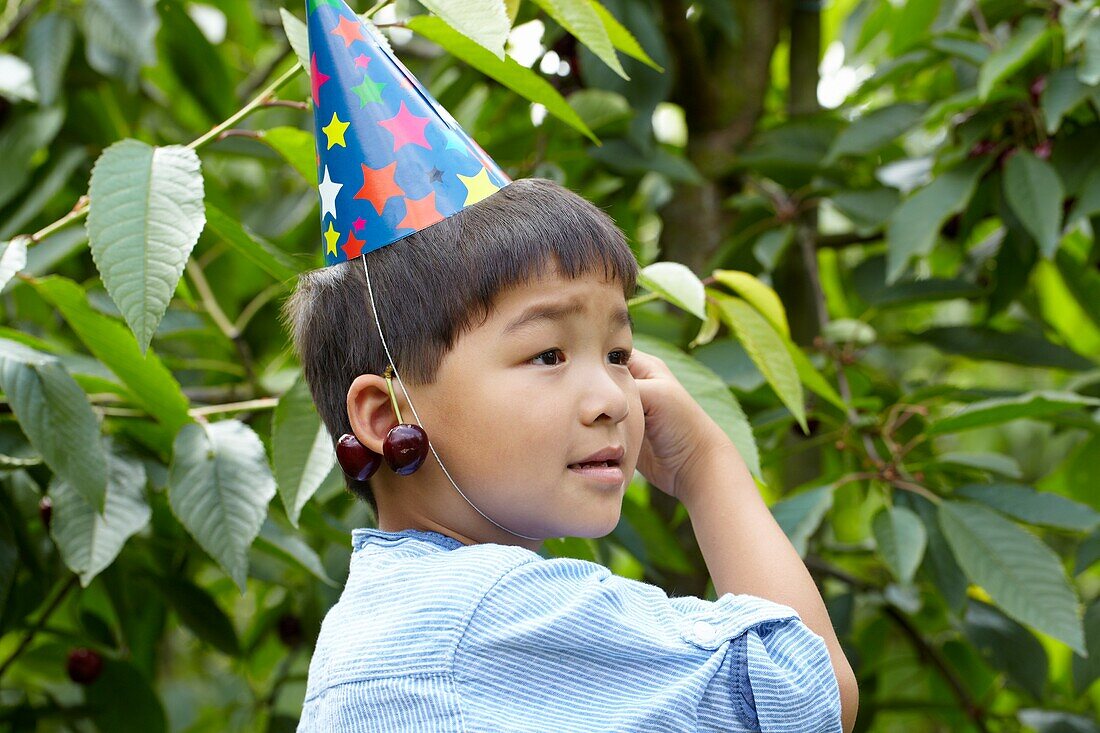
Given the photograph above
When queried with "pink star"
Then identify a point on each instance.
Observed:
(317, 79)
(359, 223)
(362, 60)
(406, 128)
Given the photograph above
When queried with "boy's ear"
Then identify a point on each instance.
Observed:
(369, 410)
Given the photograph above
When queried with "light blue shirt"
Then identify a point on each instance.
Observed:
(433, 635)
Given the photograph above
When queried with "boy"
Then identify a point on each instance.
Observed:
(505, 314)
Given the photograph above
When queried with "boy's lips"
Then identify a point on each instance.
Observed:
(604, 466)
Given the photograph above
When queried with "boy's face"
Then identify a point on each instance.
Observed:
(515, 402)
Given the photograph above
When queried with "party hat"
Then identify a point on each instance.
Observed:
(390, 159)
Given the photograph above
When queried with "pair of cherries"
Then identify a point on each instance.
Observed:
(404, 448)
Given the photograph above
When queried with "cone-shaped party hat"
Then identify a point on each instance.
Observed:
(390, 160)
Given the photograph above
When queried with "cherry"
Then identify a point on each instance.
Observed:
(356, 460)
(1044, 149)
(84, 666)
(290, 628)
(45, 510)
(1038, 84)
(405, 447)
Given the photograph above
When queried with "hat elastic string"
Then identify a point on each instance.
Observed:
(401, 383)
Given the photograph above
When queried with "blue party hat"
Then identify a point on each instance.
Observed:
(390, 160)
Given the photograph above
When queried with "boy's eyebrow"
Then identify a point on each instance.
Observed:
(558, 311)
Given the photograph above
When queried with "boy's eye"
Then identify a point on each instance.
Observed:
(545, 353)
(620, 357)
(624, 356)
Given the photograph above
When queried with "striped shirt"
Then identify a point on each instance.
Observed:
(433, 635)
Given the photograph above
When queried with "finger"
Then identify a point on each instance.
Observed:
(646, 366)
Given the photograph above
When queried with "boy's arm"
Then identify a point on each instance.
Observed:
(746, 551)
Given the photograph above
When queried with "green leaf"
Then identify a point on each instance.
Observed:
(867, 208)
(677, 284)
(1060, 309)
(1086, 670)
(914, 225)
(1034, 507)
(302, 449)
(663, 550)
(508, 72)
(1026, 42)
(1088, 202)
(1038, 404)
(901, 540)
(869, 280)
(48, 49)
(198, 611)
(16, 80)
(483, 21)
(121, 700)
(994, 462)
(90, 541)
(1034, 191)
(1089, 70)
(710, 392)
(296, 147)
(263, 254)
(1018, 571)
(911, 24)
(875, 130)
(812, 378)
(768, 352)
(56, 417)
(1008, 646)
(581, 21)
(292, 549)
(298, 37)
(151, 384)
(1013, 348)
(145, 215)
(13, 258)
(20, 141)
(800, 515)
(758, 294)
(621, 38)
(219, 485)
(1061, 95)
(120, 36)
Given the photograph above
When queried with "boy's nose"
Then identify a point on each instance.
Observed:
(605, 397)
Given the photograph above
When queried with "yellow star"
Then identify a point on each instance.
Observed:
(334, 131)
(331, 238)
(478, 187)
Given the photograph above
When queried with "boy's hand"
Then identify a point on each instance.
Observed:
(678, 432)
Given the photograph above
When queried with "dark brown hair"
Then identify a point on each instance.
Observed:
(434, 284)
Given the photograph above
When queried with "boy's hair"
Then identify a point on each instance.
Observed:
(431, 286)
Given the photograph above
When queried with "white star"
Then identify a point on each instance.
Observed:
(328, 189)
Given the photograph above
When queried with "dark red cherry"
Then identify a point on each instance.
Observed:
(405, 447)
(356, 460)
(45, 510)
(290, 628)
(84, 666)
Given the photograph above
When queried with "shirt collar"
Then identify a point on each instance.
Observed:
(359, 537)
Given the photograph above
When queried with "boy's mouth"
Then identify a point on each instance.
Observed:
(610, 457)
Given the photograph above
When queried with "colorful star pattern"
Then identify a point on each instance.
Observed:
(350, 31)
(420, 213)
(407, 128)
(331, 238)
(335, 130)
(379, 186)
(369, 91)
(477, 187)
(418, 166)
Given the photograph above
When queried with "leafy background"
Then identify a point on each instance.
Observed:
(868, 232)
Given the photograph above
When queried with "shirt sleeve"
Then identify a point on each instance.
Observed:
(571, 646)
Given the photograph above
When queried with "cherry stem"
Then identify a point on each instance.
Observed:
(389, 387)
